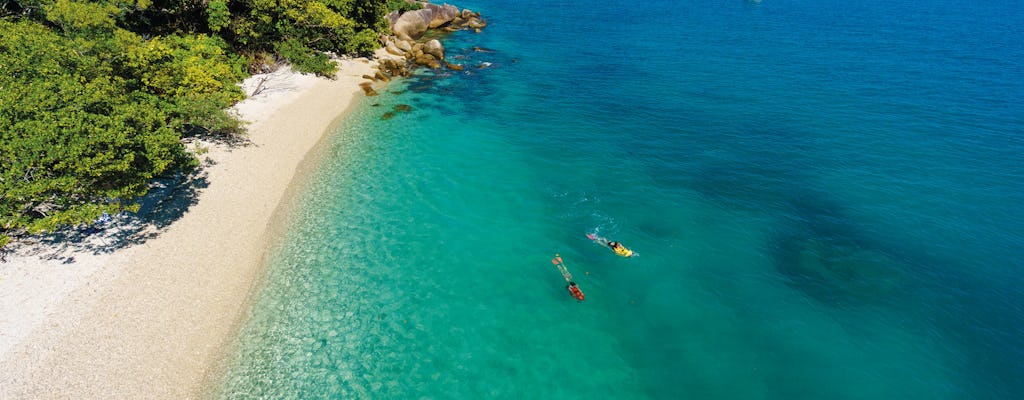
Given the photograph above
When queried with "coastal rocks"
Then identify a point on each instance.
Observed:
(434, 48)
(442, 14)
(411, 25)
(404, 45)
(393, 49)
(428, 60)
(393, 67)
(399, 108)
(407, 49)
(368, 88)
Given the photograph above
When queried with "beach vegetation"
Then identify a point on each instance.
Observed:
(96, 97)
(403, 5)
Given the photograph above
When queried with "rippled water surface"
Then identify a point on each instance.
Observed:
(825, 197)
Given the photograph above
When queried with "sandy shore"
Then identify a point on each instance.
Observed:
(151, 319)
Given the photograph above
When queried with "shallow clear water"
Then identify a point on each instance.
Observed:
(825, 199)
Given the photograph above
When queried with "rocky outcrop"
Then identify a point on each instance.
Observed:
(442, 14)
(428, 60)
(404, 50)
(368, 88)
(411, 25)
(434, 48)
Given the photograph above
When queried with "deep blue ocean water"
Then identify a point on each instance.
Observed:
(825, 197)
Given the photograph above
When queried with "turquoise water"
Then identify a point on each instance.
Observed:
(825, 199)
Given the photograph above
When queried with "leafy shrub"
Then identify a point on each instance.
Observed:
(95, 96)
(76, 141)
(402, 5)
(306, 60)
(363, 43)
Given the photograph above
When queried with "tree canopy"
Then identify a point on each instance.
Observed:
(96, 96)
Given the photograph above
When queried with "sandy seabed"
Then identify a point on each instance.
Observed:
(152, 318)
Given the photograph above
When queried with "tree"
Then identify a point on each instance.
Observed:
(74, 142)
(95, 96)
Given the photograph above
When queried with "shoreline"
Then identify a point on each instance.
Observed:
(280, 221)
(159, 318)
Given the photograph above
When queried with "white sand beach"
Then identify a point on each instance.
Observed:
(151, 319)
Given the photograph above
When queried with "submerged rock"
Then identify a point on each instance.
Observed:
(428, 60)
(368, 88)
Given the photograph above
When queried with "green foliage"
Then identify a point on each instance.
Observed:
(403, 5)
(192, 78)
(363, 43)
(304, 59)
(95, 96)
(300, 30)
(80, 17)
(218, 15)
(75, 141)
(21, 8)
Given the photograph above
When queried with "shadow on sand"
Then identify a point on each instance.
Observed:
(167, 201)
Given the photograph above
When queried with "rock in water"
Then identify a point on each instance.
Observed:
(368, 88)
(442, 14)
(428, 60)
(434, 48)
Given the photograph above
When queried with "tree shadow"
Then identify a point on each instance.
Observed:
(167, 201)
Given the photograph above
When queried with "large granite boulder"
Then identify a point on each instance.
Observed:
(391, 49)
(434, 48)
(403, 45)
(476, 23)
(393, 67)
(428, 61)
(442, 14)
(412, 24)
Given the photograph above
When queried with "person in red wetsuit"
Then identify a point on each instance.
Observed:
(575, 291)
